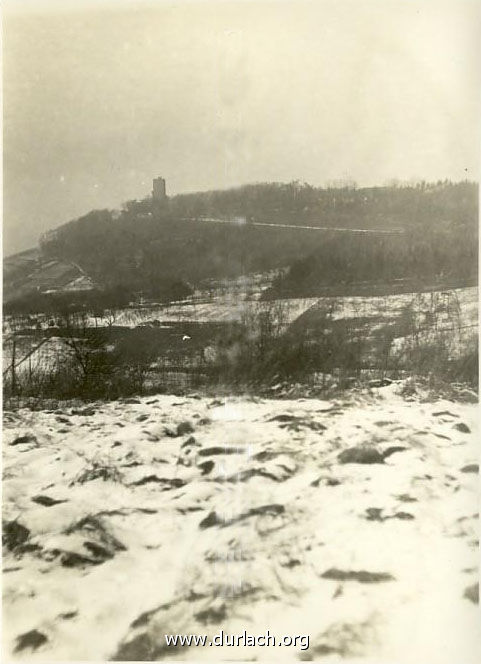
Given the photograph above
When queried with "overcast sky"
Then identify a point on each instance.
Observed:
(101, 96)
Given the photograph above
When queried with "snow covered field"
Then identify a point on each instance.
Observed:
(234, 304)
(353, 521)
(441, 318)
(222, 308)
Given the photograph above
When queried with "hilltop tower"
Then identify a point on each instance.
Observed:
(158, 190)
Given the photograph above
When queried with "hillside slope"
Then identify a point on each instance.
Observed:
(29, 271)
(143, 243)
(351, 521)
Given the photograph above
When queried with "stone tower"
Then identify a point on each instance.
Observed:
(158, 190)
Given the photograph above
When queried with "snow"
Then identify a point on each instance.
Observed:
(205, 307)
(219, 308)
(272, 533)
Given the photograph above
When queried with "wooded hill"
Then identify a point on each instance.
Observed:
(141, 246)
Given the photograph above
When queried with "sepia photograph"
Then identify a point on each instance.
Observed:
(240, 331)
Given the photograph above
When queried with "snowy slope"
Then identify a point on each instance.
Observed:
(352, 521)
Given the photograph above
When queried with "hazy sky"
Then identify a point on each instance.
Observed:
(100, 96)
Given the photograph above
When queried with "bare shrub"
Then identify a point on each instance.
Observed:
(98, 469)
